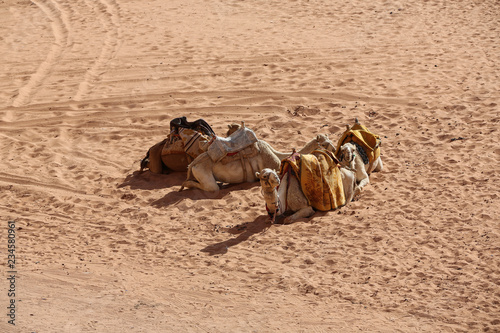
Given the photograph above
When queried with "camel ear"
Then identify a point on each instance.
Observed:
(229, 126)
(257, 174)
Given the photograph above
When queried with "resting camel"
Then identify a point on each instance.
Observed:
(374, 166)
(206, 172)
(350, 158)
(290, 198)
(348, 155)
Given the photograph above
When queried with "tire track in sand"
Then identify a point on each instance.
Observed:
(60, 30)
(67, 15)
(108, 13)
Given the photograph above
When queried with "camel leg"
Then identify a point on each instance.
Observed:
(349, 184)
(195, 184)
(203, 180)
(362, 178)
(378, 165)
(304, 212)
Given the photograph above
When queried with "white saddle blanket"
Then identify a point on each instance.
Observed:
(237, 141)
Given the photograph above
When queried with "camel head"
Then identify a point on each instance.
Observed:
(234, 127)
(268, 178)
(325, 143)
(346, 155)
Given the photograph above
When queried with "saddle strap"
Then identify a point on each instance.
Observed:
(191, 141)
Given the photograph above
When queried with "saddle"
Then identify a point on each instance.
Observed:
(239, 140)
(244, 154)
(199, 125)
(185, 138)
(319, 177)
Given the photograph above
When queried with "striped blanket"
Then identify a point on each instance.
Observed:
(186, 141)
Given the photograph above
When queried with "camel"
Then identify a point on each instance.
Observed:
(350, 158)
(286, 197)
(375, 166)
(206, 172)
(352, 161)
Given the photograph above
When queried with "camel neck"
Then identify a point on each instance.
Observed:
(309, 147)
(272, 200)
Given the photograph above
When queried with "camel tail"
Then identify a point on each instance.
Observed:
(145, 162)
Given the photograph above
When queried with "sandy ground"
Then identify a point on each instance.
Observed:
(87, 86)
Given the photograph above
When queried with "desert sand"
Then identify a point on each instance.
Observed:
(87, 86)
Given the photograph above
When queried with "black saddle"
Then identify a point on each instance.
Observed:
(199, 125)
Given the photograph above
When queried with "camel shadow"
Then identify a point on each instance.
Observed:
(147, 180)
(244, 232)
(175, 197)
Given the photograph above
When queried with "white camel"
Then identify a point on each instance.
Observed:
(349, 158)
(203, 172)
(286, 197)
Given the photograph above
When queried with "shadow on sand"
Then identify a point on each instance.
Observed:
(244, 231)
(148, 180)
(175, 196)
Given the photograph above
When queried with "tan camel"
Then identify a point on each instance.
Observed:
(286, 197)
(205, 172)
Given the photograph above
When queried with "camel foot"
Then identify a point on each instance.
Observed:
(273, 218)
(184, 185)
(303, 213)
